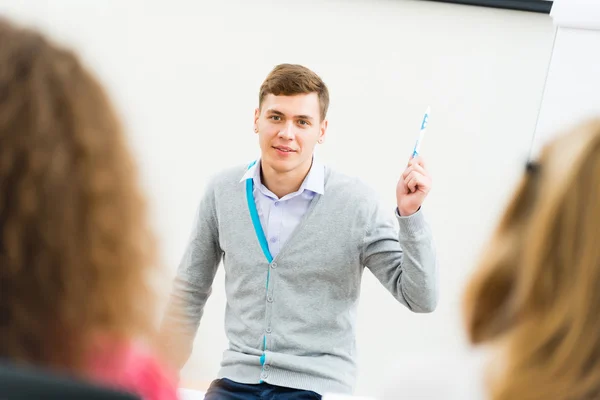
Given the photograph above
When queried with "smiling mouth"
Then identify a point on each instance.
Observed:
(284, 150)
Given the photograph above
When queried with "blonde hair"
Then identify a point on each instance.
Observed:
(536, 293)
(75, 247)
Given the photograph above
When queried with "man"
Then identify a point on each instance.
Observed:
(294, 237)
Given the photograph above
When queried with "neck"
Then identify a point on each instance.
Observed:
(284, 183)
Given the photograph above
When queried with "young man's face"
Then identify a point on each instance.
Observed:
(289, 127)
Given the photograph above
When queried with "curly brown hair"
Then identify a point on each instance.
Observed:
(75, 245)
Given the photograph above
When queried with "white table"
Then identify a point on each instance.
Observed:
(190, 394)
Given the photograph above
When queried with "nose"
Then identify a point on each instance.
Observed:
(287, 132)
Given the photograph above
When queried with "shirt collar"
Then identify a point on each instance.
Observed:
(314, 181)
(251, 171)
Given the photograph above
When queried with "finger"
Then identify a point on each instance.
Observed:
(405, 188)
(412, 184)
(423, 183)
(412, 180)
(414, 167)
(417, 161)
(413, 174)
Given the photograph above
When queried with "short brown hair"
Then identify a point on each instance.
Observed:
(75, 244)
(293, 79)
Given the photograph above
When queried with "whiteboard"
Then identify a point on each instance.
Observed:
(580, 14)
(572, 90)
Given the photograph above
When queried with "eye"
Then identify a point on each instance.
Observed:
(303, 122)
(275, 117)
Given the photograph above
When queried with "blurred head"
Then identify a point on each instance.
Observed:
(291, 117)
(74, 244)
(536, 293)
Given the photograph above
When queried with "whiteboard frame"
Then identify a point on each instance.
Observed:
(539, 6)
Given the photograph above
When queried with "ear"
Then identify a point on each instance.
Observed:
(322, 131)
(256, 117)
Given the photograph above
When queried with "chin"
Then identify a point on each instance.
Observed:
(281, 165)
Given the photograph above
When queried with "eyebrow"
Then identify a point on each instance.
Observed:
(308, 117)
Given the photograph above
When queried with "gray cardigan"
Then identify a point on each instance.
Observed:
(291, 322)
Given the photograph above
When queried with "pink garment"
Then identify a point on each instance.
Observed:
(132, 368)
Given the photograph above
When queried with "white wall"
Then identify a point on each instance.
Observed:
(186, 76)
